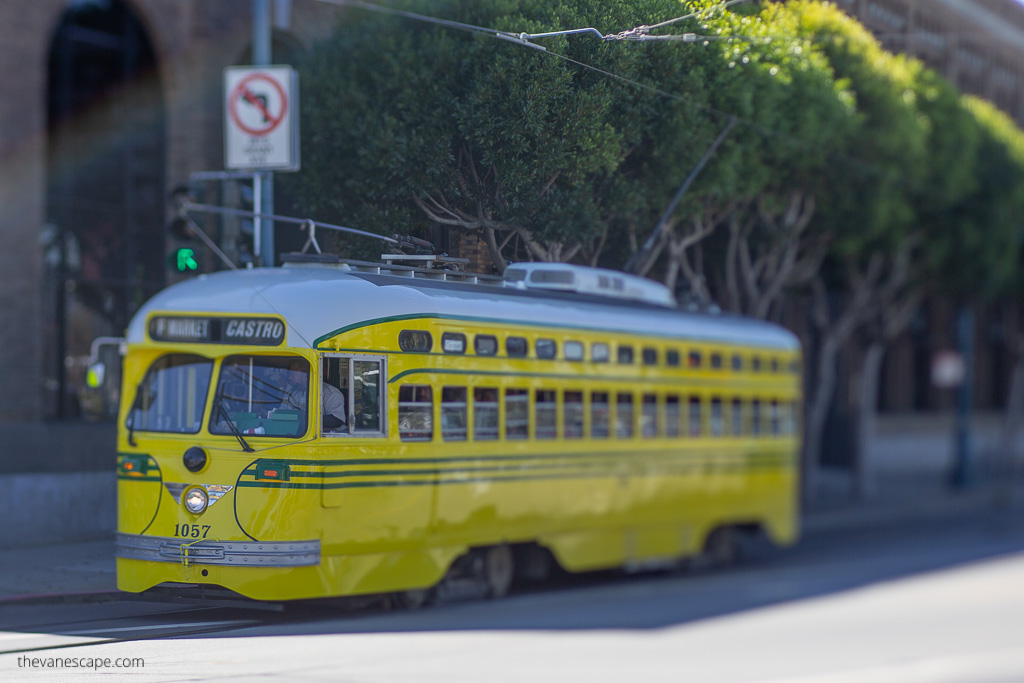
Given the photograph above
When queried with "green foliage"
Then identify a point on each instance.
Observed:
(401, 117)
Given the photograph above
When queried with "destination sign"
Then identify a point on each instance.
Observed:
(241, 331)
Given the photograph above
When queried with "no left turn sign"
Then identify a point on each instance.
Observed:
(261, 122)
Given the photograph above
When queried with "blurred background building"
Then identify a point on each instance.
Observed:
(105, 105)
(979, 46)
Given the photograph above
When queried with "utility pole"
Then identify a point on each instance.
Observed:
(963, 465)
(263, 182)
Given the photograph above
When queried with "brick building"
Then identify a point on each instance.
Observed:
(104, 106)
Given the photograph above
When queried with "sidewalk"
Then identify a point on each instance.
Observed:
(58, 572)
(85, 571)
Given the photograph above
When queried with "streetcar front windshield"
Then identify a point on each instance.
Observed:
(261, 396)
(172, 396)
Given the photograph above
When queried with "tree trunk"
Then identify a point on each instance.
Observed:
(867, 419)
(817, 411)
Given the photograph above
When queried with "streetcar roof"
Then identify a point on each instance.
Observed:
(316, 300)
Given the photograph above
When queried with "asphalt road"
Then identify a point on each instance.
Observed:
(937, 601)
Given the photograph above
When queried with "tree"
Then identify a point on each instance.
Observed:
(416, 125)
(992, 224)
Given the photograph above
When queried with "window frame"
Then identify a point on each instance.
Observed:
(477, 338)
(398, 413)
(286, 358)
(206, 402)
(481, 432)
(454, 337)
(406, 333)
(448, 433)
(516, 338)
(573, 356)
(382, 397)
(548, 410)
(519, 395)
(550, 346)
(625, 354)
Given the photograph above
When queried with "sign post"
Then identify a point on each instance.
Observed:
(261, 132)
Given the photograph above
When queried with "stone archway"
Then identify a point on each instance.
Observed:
(106, 158)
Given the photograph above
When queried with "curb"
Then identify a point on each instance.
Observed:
(982, 500)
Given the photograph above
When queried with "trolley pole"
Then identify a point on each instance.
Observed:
(263, 181)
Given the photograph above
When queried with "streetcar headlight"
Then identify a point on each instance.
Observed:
(195, 500)
(194, 459)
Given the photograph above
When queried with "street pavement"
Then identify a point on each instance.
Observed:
(84, 571)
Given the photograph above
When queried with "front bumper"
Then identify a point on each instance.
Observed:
(230, 553)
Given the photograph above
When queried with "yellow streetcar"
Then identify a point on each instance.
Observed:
(334, 428)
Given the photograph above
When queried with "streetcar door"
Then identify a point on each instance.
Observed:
(360, 382)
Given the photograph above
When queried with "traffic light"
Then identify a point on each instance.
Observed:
(185, 260)
(184, 255)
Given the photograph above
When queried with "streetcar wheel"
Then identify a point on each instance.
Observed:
(720, 547)
(412, 599)
(499, 569)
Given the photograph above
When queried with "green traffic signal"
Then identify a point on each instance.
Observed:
(185, 260)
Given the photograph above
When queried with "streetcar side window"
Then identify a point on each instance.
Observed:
(625, 354)
(573, 350)
(453, 413)
(672, 416)
(546, 348)
(694, 420)
(737, 417)
(261, 396)
(649, 356)
(717, 418)
(599, 415)
(517, 414)
(415, 412)
(485, 344)
(693, 359)
(774, 417)
(546, 413)
(737, 362)
(599, 352)
(515, 347)
(485, 413)
(172, 396)
(755, 417)
(716, 361)
(572, 414)
(649, 416)
(335, 374)
(415, 340)
(366, 396)
(453, 342)
(624, 416)
(672, 358)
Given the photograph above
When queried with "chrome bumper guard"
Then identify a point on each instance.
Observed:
(233, 553)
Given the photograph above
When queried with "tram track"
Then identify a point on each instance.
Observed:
(64, 634)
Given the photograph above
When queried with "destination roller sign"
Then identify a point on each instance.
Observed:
(199, 330)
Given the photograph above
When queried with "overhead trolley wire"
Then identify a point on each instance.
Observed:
(629, 35)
